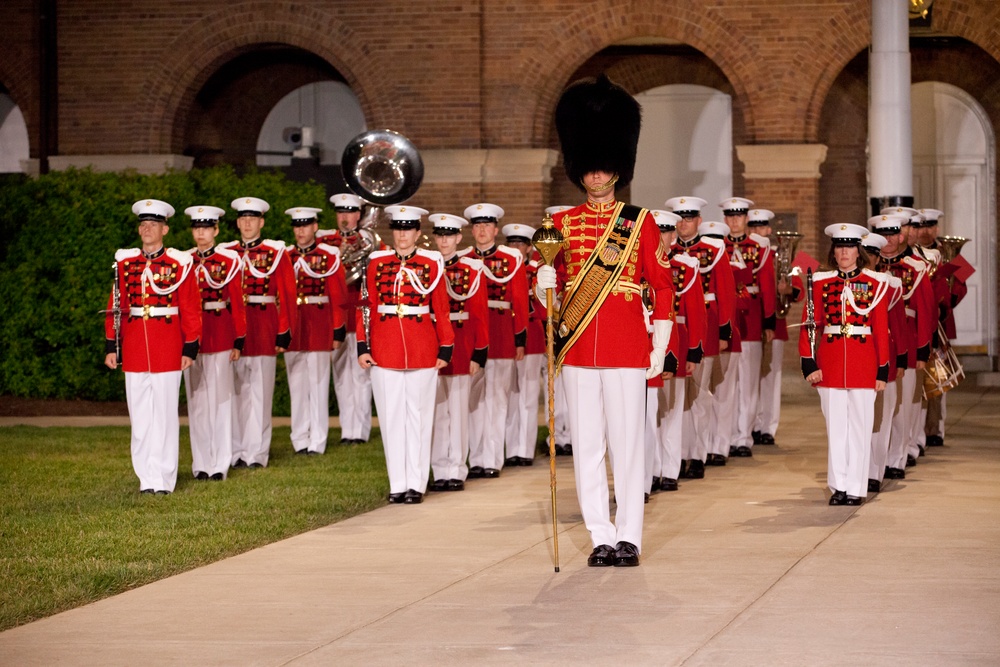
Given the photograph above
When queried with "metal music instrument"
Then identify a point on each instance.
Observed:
(383, 168)
(950, 247)
(116, 311)
(810, 323)
(943, 371)
(784, 253)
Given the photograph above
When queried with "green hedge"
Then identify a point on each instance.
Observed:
(58, 236)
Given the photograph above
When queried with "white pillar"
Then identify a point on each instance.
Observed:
(890, 167)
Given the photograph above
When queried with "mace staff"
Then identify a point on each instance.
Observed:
(548, 241)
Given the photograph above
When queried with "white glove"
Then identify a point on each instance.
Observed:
(661, 337)
(546, 279)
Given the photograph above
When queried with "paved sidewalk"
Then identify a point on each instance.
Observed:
(746, 567)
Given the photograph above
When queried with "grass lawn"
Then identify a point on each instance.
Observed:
(74, 529)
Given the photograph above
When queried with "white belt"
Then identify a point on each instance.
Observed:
(313, 299)
(253, 298)
(852, 330)
(214, 305)
(753, 289)
(458, 317)
(502, 305)
(910, 312)
(402, 309)
(152, 311)
(680, 319)
(709, 296)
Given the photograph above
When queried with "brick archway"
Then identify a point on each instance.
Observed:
(18, 76)
(235, 30)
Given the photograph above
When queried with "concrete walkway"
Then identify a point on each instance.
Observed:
(749, 566)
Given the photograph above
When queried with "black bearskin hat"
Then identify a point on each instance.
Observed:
(598, 124)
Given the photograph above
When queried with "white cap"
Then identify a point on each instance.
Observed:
(446, 223)
(931, 214)
(153, 209)
(552, 210)
(345, 201)
(204, 216)
(483, 213)
(686, 207)
(898, 210)
(845, 233)
(665, 220)
(405, 217)
(887, 224)
(874, 240)
(735, 204)
(719, 229)
(917, 220)
(515, 231)
(303, 214)
(758, 217)
(250, 206)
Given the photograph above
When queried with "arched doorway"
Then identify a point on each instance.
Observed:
(954, 158)
(14, 145)
(685, 147)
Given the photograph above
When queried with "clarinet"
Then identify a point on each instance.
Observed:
(810, 314)
(116, 312)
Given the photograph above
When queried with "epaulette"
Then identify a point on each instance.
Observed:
(476, 264)
(916, 263)
(323, 233)
(877, 275)
(228, 245)
(824, 275)
(686, 259)
(327, 248)
(510, 251)
(179, 256)
(464, 251)
(273, 244)
(716, 243)
(432, 255)
(375, 254)
(226, 252)
(762, 240)
(127, 253)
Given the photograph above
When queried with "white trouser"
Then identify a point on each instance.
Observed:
(562, 428)
(404, 401)
(849, 415)
(353, 388)
(724, 406)
(152, 410)
(699, 421)
(309, 389)
(488, 397)
(919, 438)
(522, 408)
(208, 384)
(254, 387)
(651, 438)
(608, 405)
(902, 422)
(769, 402)
(450, 441)
(880, 438)
(747, 392)
(671, 412)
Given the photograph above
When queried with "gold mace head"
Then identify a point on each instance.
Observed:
(548, 240)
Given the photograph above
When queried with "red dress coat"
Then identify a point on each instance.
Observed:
(319, 297)
(507, 297)
(900, 339)
(219, 273)
(347, 244)
(154, 341)
(921, 311)
(469, 314)
(857, 358)
(718, 286)
(780, 324)
(269, 292)
(403, 292)
(616, 337)
(689, 304)
(537, 313)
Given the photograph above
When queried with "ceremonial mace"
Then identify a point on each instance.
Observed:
(548, 241)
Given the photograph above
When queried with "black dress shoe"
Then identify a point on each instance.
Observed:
(602, 556)
(312, 453)
(765, 439)
(646, 498)
(413, 497)
(935, 441)
(201, 475)
(217, 477)
(756, 437)
(853, 500)
(732, 450)
(240, 463)
(512, 461)
(743, 452)
(895, 473)
(163, 492)
(874, 486)
(655, 486)
(256, 465)
(303, 451)
(146, 492)
(560, 450)
(491, 473)
(838, 498)
(439, 485)
(568, 450)
(910, 461)
(667, 484)
(396, 498)
(526, 462)
(626, 555)
(695, 469)
(682, 473)
(715, 460)
(921, 451)
(476, 472)
(344, 441)
(456, 485)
